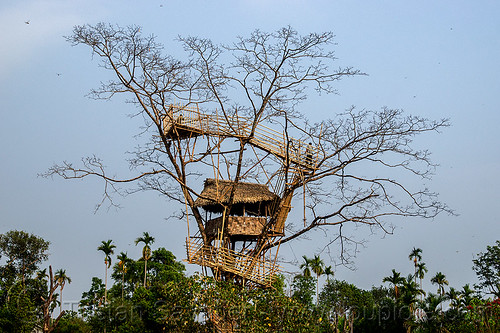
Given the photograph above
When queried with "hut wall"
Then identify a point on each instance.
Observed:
(237, 225)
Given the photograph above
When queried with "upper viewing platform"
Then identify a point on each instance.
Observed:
(188, 121)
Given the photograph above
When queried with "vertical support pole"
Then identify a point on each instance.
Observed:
(187, 212)
(303, 196)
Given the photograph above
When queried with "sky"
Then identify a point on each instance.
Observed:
(437, 59)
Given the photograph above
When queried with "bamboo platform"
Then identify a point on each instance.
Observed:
(188, 121)
(256, 270)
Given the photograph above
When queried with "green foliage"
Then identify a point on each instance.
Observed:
(107, 248)
(329, 272)
(117, 317)
(440, 280)
(344, 303)
(147, 239)
(176, 303)
(467, 296)
(434, 316)
(487, 268)
(257, 310)
(306, 266)
(303, 289)
(93, 298)
(164, 267)
(71, 323)
(131, 278)
(395, 279)
(21, 291)
(24, 252)
(173, 302)
(482, 316)
(141, 309)
(180, 304)
(410, 292)
(62, 277)
(278, 283)
(19, 312)
(146, 251)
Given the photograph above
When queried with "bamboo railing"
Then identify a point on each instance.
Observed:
(253, 269)
(189, 118)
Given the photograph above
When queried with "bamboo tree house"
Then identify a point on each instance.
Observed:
(240, 215)
(240, 221)
(249, 213)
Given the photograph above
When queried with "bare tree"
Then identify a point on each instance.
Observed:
(353, 171)
(49, 323)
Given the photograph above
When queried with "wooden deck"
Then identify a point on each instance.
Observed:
(188, 121)
(253, 269)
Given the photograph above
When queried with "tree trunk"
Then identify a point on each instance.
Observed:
(60, 305)
(48, 324)
(317, 289)
(145, 270)
(106, 284)
(123, 283)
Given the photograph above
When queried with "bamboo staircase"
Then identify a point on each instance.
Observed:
(257, 270)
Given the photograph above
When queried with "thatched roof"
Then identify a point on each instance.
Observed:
(216, 193)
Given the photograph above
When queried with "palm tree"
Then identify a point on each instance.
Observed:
(146, 250)
(395, 280)
(329, 271)
(421, 270)
(416, 256)
(108, 249)
(466, 295)
(122, 266)
(440, 280)
(434, 316)
(409, 292)
(317, 266)
(306, 270)
(61, 277)
(41, 274)
(453, 296)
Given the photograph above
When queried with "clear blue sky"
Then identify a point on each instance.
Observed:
(432, 58)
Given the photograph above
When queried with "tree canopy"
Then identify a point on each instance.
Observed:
(27, 292)
(487, 268)
(173, 301)
(262, 78)
(24, 252)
